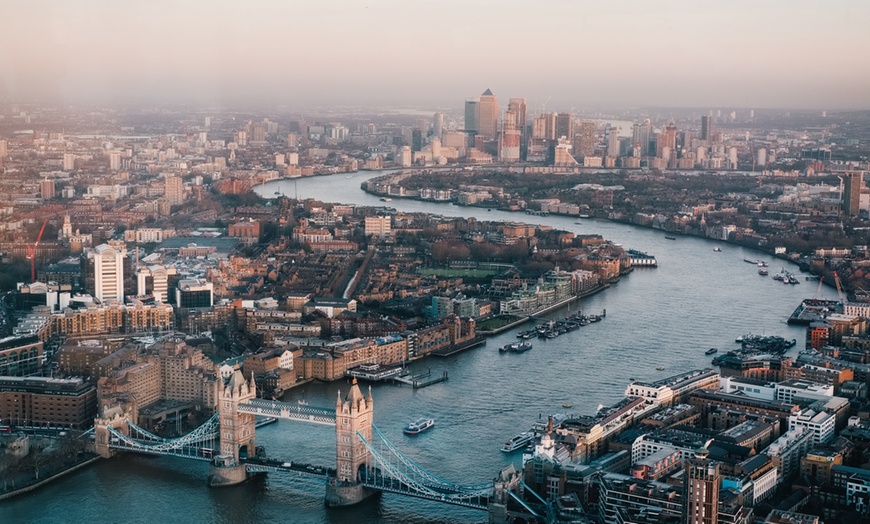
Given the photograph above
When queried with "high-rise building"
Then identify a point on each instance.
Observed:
(667, 139)
(761, 159)
(4, 150)
(707, 128)
(701, 490)
(471, 121)
(520, 109)
(69, 161)
(207, 121)
(640, 136)
(173, 190)
(585, 140)
(613, 142)
(417, 140)
(437, 125)
(108, 270)
(853, 181)
(114, 160)
(153, 280)
(487, 119)
(509, 140)
(564, 126)
(46, 189)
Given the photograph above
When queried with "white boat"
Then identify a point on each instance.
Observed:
(520, 441)
(419, 426)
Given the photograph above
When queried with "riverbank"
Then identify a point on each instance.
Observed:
(42, 482)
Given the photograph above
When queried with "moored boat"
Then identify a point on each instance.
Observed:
(518, 442)
(418, 426)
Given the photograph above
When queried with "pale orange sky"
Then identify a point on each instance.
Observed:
(578, 53)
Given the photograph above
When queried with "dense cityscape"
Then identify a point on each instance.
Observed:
(289, 265)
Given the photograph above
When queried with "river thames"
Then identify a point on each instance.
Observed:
(666, 317)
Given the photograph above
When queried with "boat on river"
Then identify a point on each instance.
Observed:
(419, 426)
(670, 238)
(520, 441)
(711, 351)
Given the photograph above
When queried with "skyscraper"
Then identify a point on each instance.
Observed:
(701, 490)
(707, 128)
(520, 109)
(853, 181)
(640, 136)
(565, 125)
(46, 188)
(437, 125)
(487, 115)
(613, 142)
(471, 120)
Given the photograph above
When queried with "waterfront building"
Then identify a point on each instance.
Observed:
(168, 370)
(616, 492)
(44, 401)
(589, 435)
(684, 439)
(675, 389)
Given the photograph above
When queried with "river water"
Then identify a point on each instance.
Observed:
(666, 317)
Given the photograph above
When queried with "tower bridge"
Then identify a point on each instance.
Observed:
(366, 461)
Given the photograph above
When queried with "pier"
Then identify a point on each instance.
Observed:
(421, 380)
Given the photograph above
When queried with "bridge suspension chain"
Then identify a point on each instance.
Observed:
(431, 478)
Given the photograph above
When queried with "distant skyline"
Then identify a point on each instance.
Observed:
(404, 53)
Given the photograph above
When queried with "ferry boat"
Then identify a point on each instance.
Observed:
(524, 346)
(520, 441)
(418, 426)
(762, 271)
(386, 199)
(711, 351)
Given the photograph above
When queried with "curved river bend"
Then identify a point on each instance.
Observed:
(665, 317)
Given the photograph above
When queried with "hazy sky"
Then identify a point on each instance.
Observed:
(577, 53)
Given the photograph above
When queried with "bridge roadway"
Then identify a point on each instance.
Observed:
(303, 413)
(261, 464)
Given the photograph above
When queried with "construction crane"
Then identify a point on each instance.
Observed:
(31, 252)
(819, 289)
(839, 288)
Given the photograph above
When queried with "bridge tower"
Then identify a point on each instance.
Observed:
(237, 432)
(352, 415)
(115, 418)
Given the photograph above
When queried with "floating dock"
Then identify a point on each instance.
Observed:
(422, 380)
